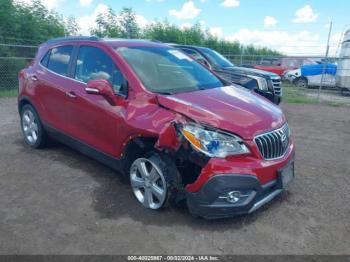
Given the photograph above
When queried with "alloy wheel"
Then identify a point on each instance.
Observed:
(148, 183)
(30, 127)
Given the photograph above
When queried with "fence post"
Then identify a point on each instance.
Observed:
(325, 62)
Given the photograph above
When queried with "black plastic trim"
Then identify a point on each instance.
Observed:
(114, 163)
(204, 202)
(72, 38)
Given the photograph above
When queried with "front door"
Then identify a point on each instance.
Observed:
(93, 119)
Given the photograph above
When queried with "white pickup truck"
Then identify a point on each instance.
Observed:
(311, 75)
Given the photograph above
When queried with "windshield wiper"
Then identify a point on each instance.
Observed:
(165, 93)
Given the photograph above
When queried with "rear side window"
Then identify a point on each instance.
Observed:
(58, 61)
(193, 53)
(95, 64)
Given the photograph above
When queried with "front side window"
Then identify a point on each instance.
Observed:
(168, 70)
(94, 64)
(58, 61)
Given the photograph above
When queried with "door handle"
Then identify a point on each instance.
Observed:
(71, 94)
(34, 78)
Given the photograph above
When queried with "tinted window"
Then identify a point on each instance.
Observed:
(168, 70)
(45, 59)
(193, 53)
(216, 58)
(94, 64)
(59, 59)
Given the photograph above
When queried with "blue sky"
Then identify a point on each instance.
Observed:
(293, 26)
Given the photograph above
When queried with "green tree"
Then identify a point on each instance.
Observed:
(107, 25)
(71, 26)
(26, 24)
(128, 24)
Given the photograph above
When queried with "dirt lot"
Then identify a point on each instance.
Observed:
(57, 201)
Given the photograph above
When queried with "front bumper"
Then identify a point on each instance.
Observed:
(258, 185)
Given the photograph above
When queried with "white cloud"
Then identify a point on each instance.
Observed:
(216, 31)
(87, 22)
(230, 3)
(270, 21)
(302, 43)
(187, 11)
(142, 21)
(305, 15)
(85, 2)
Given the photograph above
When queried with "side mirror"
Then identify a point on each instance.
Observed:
(100, 87)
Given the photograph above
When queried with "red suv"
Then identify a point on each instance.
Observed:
(176, 130)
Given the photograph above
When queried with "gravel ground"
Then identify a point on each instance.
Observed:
(57, 201)
(329, 96)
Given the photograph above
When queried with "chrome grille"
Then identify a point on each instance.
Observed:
(273, 144)
(277, 86)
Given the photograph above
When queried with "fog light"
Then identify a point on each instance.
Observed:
(233, 197)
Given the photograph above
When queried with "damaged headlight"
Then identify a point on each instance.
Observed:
(213, 143)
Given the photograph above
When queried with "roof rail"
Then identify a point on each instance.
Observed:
(73, 38)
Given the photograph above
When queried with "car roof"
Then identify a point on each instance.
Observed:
(114, 42)
(187, 46)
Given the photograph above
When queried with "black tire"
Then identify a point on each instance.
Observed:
(171, 176)
(301, 82)
(41, 135)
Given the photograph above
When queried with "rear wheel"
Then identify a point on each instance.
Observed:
(153, 180)
(32, 129)
(301, 82)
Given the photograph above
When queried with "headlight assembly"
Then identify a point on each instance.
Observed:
(262, 83)
(213, 143)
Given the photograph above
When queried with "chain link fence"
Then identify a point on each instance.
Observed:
(13, 58)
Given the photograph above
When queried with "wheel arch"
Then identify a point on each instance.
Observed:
(24, 101)
(299, 78)
(135, 148)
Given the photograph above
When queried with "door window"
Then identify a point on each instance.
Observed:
(94, 64)
(59, 59)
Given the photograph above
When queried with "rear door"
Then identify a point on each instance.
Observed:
(52, 86)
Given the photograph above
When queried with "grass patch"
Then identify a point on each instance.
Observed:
(8, 93)
(296, 95)
(335, 104)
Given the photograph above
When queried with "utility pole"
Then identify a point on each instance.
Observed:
(325, 61)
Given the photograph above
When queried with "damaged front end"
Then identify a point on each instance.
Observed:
(222, 174)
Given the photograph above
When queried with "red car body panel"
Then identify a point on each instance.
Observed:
(228, 108)
(253, 164)
(82, 117)
(108, 125)
(279, 70)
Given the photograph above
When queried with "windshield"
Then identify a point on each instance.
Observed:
(168, 70)
(216, 58)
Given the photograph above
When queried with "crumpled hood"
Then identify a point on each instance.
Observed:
(230, 108)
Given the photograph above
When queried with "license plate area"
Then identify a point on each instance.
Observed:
(286, 175)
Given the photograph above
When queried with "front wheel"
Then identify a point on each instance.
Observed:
(301, 82)
(32, 129)
(153, 180)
